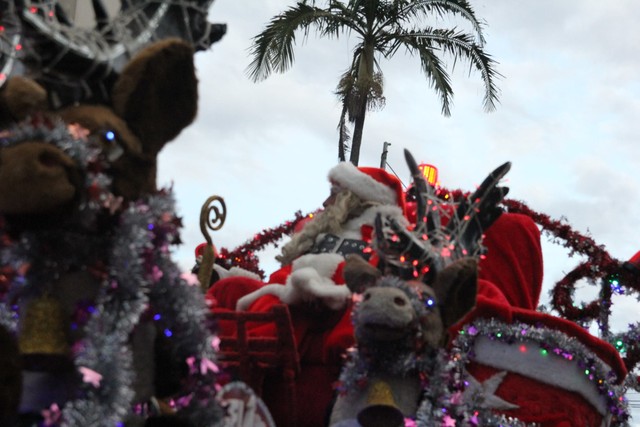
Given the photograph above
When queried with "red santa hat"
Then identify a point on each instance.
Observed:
(370, 184)
(199, 251)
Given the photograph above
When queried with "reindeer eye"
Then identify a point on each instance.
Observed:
(430, 303)
(113, 150)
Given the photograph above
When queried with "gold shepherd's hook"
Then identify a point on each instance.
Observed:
(212, 218)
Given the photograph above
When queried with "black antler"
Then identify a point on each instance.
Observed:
(477, 212)
(431, 245)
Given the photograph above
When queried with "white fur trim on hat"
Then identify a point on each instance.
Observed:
(348, 176)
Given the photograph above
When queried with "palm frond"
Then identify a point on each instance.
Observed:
(272, 49)
(428, 43)
(344, 135)
(432, 67)
(421, 9)
(461, 45)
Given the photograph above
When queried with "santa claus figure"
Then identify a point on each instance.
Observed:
(310, 281)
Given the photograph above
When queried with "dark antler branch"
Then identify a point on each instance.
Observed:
(101, 14)
(433, 244)
(477, 212)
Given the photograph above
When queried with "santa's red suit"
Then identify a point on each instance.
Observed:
(509, 286)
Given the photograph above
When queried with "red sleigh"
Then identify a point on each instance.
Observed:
(258, 360)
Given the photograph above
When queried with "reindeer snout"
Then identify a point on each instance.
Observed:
(385, 314)
(35, 178)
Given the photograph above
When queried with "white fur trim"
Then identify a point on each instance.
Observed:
(325, 264)
(309, 281)
(308, 286)
(234, 272)
(348, 176)
(525, 359)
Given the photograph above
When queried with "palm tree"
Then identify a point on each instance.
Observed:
(381, 27)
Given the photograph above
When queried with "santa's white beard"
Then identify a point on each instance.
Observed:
(330, 220)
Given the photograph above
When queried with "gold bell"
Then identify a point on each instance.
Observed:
(43, 329)
(382, 410)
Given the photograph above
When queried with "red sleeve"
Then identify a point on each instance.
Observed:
(225, 293)
(280, 276)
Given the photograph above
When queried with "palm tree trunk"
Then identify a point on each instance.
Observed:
(363, 83)
(358, 128)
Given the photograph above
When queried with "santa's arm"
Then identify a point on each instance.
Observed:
(273, 289)
(309, 286)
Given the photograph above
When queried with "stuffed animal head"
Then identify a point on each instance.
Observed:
(154, 98)
(401, 314)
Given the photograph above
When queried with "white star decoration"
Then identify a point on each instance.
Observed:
(483, 394)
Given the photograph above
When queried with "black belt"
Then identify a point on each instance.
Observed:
(331, 243)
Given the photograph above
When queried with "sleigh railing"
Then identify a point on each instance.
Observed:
(252, 358)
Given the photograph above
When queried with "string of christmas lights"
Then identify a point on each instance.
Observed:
(599, 266)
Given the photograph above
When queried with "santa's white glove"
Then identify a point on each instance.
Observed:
(309, 282)
(310, 287)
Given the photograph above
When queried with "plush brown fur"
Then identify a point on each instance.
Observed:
(20, 97)
(154, 98)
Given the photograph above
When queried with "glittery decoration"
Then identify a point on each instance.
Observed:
(137, 276)
(448, 376)
(443, 232)
(244, 255)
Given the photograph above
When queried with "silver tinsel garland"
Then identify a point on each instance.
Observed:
(442, 395)
(140, 278)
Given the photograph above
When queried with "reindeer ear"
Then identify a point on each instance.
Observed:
(456, 288)
(359, 274)
(21, 97)
(157, 93)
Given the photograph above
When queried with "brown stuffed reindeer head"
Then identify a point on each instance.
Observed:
(392, 312)
(154, 98)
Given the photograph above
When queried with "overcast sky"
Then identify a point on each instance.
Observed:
(568, 120)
